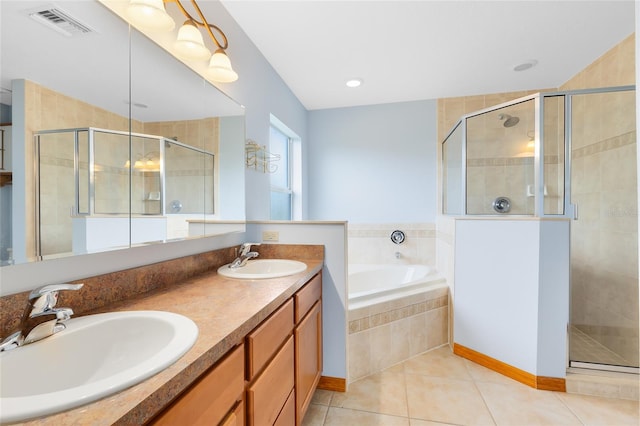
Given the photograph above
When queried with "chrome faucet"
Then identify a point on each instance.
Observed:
(244, 255)
(40, 318)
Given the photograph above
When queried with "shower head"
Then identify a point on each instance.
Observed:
(509, 121)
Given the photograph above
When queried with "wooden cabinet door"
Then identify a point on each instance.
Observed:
(236, 417)
(308, 339)
(212, 397)
(287, 416)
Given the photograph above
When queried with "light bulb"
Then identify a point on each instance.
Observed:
(190, 44)
(149, 15)
(220, 68)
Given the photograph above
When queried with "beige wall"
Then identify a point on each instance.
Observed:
(615, 68)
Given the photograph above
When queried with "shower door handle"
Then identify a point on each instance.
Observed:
(573, 211)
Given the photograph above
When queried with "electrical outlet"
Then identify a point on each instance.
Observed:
(270, 236)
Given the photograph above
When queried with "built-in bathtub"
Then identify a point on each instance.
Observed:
(395, 312)
(371, 284)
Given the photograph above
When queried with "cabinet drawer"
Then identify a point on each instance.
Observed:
(268, 394)
(265, 340)
(307, 296)
(287, 416)
(211, 398)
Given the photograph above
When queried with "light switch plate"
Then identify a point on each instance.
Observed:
(270, 235)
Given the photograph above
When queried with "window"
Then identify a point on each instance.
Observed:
(286, 181)
(281, 192)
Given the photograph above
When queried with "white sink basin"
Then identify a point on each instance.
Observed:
(263, 268)
(95, 356)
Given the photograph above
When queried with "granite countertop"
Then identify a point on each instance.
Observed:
(224, 309)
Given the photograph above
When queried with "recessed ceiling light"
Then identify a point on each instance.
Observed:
(354, 82)
(526, 65)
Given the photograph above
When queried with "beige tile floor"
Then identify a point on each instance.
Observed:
(439, 388)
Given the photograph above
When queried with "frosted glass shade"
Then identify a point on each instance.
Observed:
(190, 44)
(149, 15)
(220, 68)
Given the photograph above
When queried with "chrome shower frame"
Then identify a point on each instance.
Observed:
(568, 210)
(76, 209)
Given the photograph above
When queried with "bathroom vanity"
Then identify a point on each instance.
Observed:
(258, 356)
(283, 358)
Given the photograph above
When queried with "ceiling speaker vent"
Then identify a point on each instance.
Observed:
(53, 17)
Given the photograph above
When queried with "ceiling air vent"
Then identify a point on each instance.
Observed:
(60, 21)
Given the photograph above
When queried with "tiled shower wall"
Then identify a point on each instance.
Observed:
(604, 185)
(371, 244)
(186, 170)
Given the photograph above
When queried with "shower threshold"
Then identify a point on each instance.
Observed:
(604, 367)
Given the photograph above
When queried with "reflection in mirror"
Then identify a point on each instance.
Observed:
(56, 77)
(69, 96)
(195, 121)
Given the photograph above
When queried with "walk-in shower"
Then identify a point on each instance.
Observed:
(572, 156)
(101, 189)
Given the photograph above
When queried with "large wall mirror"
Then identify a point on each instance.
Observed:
(113, 142)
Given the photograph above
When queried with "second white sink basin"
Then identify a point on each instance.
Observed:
(263, 268)
(95, 356)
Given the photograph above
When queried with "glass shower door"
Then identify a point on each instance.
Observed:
(604, 238)
(500, 161)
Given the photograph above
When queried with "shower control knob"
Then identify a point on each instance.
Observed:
(502, 205)
(397, 237)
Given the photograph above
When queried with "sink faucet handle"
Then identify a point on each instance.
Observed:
(246, 248)
(44, 298)
(41, 291)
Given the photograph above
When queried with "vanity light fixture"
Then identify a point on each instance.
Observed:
(151, 15)
(147, 163)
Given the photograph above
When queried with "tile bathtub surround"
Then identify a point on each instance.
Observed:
(103, 290)
(438, 387)
(391, 332)
(371, 243)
